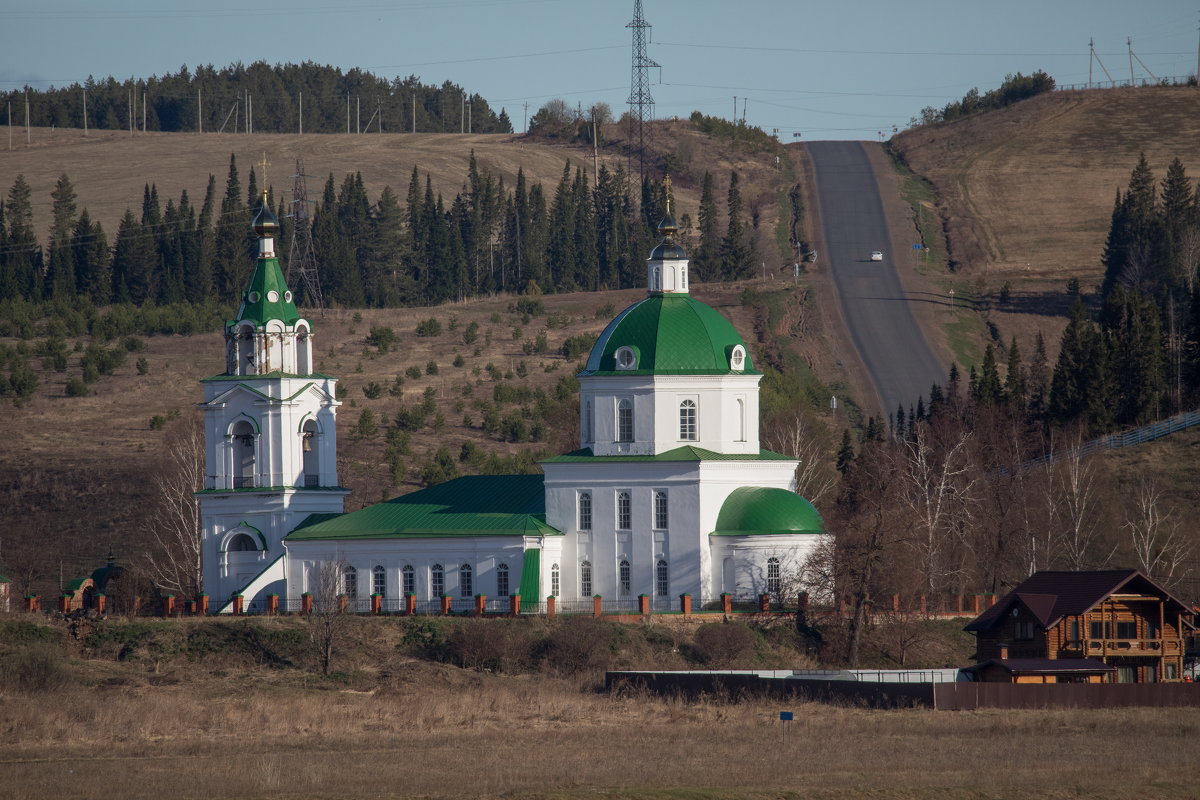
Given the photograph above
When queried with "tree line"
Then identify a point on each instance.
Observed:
(273, 96)
(1013, 89)
(386, 252)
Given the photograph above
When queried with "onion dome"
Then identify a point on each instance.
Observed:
(669, 334)
(758, 510)
(266, 225)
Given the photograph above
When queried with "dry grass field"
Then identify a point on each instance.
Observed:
(202, 709)
(482, 736)
(1026, 192)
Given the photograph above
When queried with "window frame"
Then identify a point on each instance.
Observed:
(437, 581)
(662, 578)
(774, 575)
(408, 579)
(624, 578)
(466, 580)
(662, 510)
(689, 430)
(555, 580)
(585, 579)
(584, 502)
(350, 583)
(502, 588)
(624, 427)
(379, 580)
(624, 510)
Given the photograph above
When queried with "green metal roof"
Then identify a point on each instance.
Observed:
(672, 334)
(687, 453)
(531, 573)
(257, 305)
(477, 505)
(757, 510)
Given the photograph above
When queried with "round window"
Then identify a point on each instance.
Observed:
(738, 358)
(287, 296)
(625, 358)
(253, 297)
(272, 296)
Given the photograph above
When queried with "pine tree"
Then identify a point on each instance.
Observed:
(60, 275)
(561, 253)
(232, 263)
(845, 453)
(134, 260)
(22, 267)
(706, 262)
(198, 271)
(386, 281)
(989, 390)
(736, 255)
(1014, 378)
(1039, 373)
(331, 250)
(93, 261)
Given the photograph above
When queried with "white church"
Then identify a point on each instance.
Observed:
(669, 493)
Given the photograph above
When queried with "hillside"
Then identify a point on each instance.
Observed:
(1025, 193)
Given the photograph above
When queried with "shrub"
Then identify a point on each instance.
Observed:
(429, 327)
(143, 366)
(431, 368)
(531, 306)
(471, 333)
(413, 372)
(382, 337)
(725, 644)
(77, 388)
(576, 645)
(578, 346)
(373, 391)
(36, 668)
(458, 360)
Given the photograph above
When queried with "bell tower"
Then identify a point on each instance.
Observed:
(270, 425)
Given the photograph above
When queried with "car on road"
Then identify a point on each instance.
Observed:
(877, 255)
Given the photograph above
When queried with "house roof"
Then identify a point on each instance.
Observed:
(671, 334)
(477, 505)
(686, 453)
(1050, 596)
(1043, 666)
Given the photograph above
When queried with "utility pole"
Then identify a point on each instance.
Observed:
(1091, 58)
(358, 113)
(85, 113)
(143, 112)
(641, 104)
(347, 112)
(414, 119)
(1129, 47)
(525, 119)
(131, 113)
(302, 113)
(199, 111)
(27, 141)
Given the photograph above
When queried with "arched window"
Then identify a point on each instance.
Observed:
(408, 578)
(654, 283)
(589, 435)
(625, 420)
(774, 579)
(585, 579)
(502, 580)
(243, 442)
(379, 581)
(241, 543)
(737, 359)
(662, 579)
(687, 420)
(624, 517)
(626, 585)
(245, 351)
(585, 511)
(741, 412)
(350, 583)
(465, 588)
(303, 352)
(308, 448)
(554, 582)
(437, 580)
(660, 511)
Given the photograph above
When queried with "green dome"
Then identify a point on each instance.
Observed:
(753, 510)
(670, 334)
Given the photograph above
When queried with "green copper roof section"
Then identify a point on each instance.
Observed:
(672, 334)
(477, 505)
(257, 304)
(688, 453)
(758, 510)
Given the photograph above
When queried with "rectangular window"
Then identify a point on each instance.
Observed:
(379, 581)
(1172, 671)
(409, 579)
(585, 579)
(662, 582)
(585, 511)
(1126, 674)
(625, 421)
(1098, 630)
(660, 511)
(437, 583)
(1024, 631)
(687, 420)
(465, 573)
(1073, 631)
(626, 584)
(1127, 630)
(502, 580)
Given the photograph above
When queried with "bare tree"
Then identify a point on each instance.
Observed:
(1158, 544)
(800, 439)
(936, 488)
(327, 617)
(1073, 500)
(173, 521)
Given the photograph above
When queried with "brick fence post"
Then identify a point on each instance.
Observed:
(597, 606)
(685, 604)
(445, 605)
(64, 603)
(958, 603)
(480, 604)
(550, 605)
(343, 603)
(238, 602)
(643, 604)
(272, 605)
(306, 603)
(895, 602)
(514, 605)
(975, 603)
(726, 603)
(410, 604)
(137, 604)
(924, 604)
(101, 603)
(376, 604)
(764, 603)
(202, 604)
(168, 605)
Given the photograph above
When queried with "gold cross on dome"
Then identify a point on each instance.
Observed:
(263, 165)
(667, 191)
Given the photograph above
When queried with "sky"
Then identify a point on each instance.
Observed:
(843, 69)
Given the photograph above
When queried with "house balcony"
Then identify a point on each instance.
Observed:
(1093, 648)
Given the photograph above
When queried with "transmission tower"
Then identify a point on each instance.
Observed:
(641, 104)
(301, 261)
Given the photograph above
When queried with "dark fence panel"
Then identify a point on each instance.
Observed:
(874, 695)
(968, 696)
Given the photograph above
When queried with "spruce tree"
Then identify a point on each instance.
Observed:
(736, 254)
(60, 268)
(706, 261)
(92, 259)
(22, 273)
(1014, 378)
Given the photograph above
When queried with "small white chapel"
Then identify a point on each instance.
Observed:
(668, 494)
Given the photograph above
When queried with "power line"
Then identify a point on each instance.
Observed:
(641, 104)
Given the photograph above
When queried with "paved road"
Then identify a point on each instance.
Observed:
(892, 347)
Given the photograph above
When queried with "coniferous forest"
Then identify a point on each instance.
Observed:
(262, 98)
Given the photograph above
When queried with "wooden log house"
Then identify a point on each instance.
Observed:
(1115, 625)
